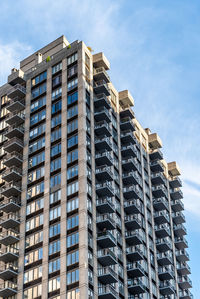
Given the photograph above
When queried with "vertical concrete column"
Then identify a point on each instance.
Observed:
(63, 250)
(82, 161)
(24, 191)
(46, 189)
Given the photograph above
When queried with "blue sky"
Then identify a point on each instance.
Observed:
(154, 51)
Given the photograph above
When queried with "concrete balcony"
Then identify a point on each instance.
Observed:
(127, 124)
(165, 273)
(127, 112)
(159, 191)
(8, 289)
(160, 204)
(132, 222)
(131, 177)
(129, 151)
(8, 272)
(15, 132)
(10, 205)
(136, 287)
(156, 166)
(128, 137)
(104, 173)
(14, 145)
(104, 190)
(100, 87)
(134, 254)
(175, 182)
(106, 239)
(135, 270)
(163, 245)
(133, 237)
(177, 205)
(164, 259)
(107, 292)
(178, 217)
(101, 100)
(176, 194)
(156, 155)
(184, 282)
(11, 189)
(17, 91)
(158, 178)
(132, 192)
(106, 257)
(101, 74)
(9, 221)
(166, 288)
(179, 230)
(105, 221)
(185, 294)
(16, 77)
(125, 99)
(102, 115)
(12, 174)
(132, 207)
(10, 254)
(154, 141)
(103, 144)
(105, 205)
(130, 164)
(15, 119)
(104, 158)
(102, 128)
(183, 269)
(162, 231)
(180, 243)
(161, 217)
(107, 275)
(13, 159)
(9, 237)
(16, 105)
(182, 256)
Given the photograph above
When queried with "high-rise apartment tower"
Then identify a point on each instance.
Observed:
(89, 207)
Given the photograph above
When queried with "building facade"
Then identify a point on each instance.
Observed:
(89, 207)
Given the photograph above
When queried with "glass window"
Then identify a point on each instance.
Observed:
(33, 292)
(54, 230)
(57, 80)
(36, 145)
(54, 284)
(72, 126)
(56, 93)
(35, 190)
(72, 171)
(34, 222)
(33, 256)
(72, 111)
(72, 84)
(72, 58)
(72, 258)
(54, 213)
(37, 159)
(39, 78)
(37, 131)
(72, 71)
(55, 196)
(54, 265)
(56, 134)
(72, 188)
(36, 174)
(72, 221)
(37, 117)
(55, 164)
(56, 68)
(54, 247)
(56, 107)
(72, 141)
(55, 180)
(39, 90)
(38, 104)
(55, 121)
(72, 239)
(72, 204)
(72, 276)
(34, 239)
(72, 98)
(56, 149)
(72, 156)
(34, 206)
